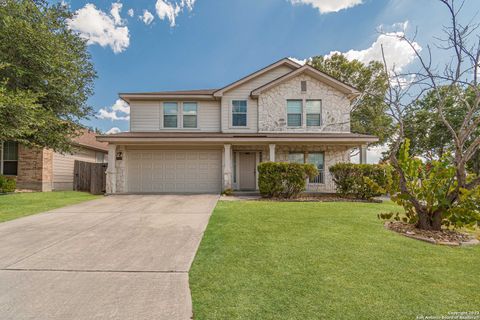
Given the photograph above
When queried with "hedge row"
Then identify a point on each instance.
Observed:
(350, 179)
(283, 179)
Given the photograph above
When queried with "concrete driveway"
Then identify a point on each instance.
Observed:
(119, 257)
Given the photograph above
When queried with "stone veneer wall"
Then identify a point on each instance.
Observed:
(272, 106)
(121, 173)
(333, 155)
(35, 169)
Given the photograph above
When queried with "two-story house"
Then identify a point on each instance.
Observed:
(206, 141)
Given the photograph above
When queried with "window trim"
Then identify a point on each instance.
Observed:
(232, 113)
(307, 113)
(164, 114)
(2, 159)
(196, 114)
(301, 113)
(180, 114)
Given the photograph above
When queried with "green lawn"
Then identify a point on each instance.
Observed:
(13, 206)
(272, 260)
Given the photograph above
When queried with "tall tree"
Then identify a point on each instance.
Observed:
(46, 75)
(368, 114)
(429, 137)
(457, 79)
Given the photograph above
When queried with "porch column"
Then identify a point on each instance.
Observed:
(272, 152)
(111, 170)
(363, 154)
(227, 167)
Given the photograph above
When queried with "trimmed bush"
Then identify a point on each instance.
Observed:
(7, 184)
(354, 179)
(283, 179)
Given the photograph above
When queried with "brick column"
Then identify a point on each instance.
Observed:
(35, 169)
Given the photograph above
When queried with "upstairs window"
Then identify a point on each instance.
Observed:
(239, 113)
(189, 114)
(314, 113)
(9, 158)
(294, 113)
(170, 115)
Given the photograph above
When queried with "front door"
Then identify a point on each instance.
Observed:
(247, 171)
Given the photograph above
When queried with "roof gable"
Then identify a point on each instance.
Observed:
(285, 61)
(350, 91)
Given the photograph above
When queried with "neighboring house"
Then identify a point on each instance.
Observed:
(46, 170)
(213, 140)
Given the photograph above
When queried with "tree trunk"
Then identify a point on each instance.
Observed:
(428, 221)
(437, 220)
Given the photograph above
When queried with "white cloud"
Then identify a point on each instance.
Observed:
(398, 52)
(119, 111)
(97, 27)
(147, 17)
(327, 6)
(115, 12)
(130, 12)
(121, 106)
(299, 61)
(113, 130)
(170, 11)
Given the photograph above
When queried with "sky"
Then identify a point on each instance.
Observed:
(155, 45)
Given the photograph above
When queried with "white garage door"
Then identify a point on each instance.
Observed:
(195, 171)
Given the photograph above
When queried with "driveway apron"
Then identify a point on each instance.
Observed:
(119, 257)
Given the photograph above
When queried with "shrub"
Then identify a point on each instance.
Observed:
(7, 184)
(356, 179)
(283, 179)
(429, 185)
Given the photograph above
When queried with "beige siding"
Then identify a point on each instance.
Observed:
(63, 167)
(144, 116)
(148, 116)
(242, 92)
(209, 116)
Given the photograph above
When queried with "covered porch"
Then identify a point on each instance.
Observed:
(154, 162)
(241, 161)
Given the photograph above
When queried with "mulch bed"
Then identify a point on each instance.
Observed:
(443, 237)
(327, 197)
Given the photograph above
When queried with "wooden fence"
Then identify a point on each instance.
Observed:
(89, 177)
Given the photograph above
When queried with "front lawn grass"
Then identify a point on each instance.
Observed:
(16, 205)
(284, 260)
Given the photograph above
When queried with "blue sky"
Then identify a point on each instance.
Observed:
(211, 43)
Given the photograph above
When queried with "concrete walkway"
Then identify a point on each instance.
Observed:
(119, 257)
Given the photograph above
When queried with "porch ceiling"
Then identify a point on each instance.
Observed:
(232, 138)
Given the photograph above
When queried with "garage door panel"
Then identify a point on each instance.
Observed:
(174, 171)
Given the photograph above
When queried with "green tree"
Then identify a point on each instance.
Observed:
(369, 111)
(46, 75)
(429, 136)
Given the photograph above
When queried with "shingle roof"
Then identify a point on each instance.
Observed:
(88, 139)
(178, 92)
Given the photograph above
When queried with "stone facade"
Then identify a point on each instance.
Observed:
(332, 154)
(35, 169)
(272, 106)
(120, 170)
